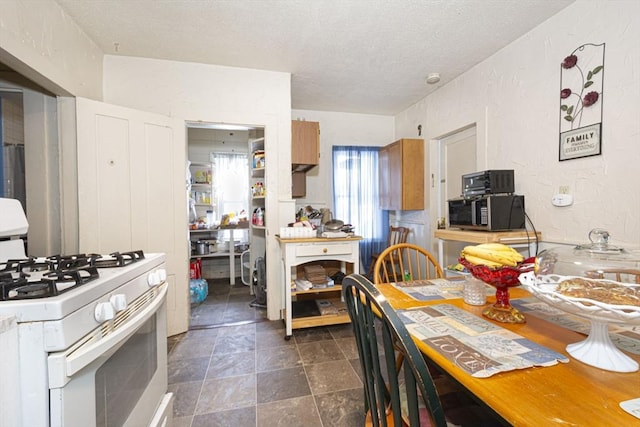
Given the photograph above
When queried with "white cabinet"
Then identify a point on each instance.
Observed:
(296, 252)
(9, 372)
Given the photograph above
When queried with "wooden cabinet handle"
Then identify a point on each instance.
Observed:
(324, 250)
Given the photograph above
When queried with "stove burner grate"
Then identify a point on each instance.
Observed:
(21, 288)
(27, 265)
(34, 290)
(57, 273)
(66, 262)
(79, 275)
(52, 284)
(117, 259)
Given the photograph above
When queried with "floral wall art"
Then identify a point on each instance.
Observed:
(581, 93)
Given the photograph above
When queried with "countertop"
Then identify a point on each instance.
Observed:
(318, 239)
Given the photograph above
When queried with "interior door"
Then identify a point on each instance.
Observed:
(131, 191)
(457, 157)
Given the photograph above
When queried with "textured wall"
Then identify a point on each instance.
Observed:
(513, 98)
(60, 57)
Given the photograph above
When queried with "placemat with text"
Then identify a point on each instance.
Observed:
(477, 346)
(435, 289)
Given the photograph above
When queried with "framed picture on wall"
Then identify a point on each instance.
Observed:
(582, 142)
(581, 98)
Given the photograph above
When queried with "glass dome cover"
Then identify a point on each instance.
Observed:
(598, 282)
(596, 260)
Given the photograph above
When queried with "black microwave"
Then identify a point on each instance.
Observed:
(493, 212)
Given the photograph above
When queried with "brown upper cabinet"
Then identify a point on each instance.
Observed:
(305, 145)
(401, 175)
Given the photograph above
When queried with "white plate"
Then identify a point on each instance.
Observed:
(597, 350)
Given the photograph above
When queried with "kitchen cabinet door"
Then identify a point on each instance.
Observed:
(131, 191)
(305, 145)
(401, 175)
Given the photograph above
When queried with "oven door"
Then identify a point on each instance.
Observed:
(117, 375)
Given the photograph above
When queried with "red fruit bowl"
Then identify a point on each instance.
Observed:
(502, 278)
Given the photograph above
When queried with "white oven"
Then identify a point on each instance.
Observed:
(91, 347)
(116, 375)
(95, 353)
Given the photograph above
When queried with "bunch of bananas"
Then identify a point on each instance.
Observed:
(492, 255)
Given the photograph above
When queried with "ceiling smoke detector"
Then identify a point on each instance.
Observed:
(433, 78)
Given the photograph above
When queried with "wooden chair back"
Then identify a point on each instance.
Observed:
(398, 235)
(404, 262)
(379, 333)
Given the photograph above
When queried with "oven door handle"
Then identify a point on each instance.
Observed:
(64, 365)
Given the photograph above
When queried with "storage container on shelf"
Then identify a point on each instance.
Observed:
(258, 159)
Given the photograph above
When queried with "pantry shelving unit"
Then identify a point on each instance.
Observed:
(257, 203)
(201, 188)
(202, 191)
(228, 252)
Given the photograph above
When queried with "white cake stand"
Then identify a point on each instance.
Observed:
(597, 350)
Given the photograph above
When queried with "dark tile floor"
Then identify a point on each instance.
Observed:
(234, 368)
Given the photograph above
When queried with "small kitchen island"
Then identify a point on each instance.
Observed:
(300, 251)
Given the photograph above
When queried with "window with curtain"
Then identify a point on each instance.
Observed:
(230, 183)
(355, 197)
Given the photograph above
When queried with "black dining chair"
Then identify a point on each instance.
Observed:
(405, 395)
(376, 326)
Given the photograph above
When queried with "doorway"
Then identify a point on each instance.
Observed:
(221, 175)
(456, 157)
(218, 190)
(12, 162)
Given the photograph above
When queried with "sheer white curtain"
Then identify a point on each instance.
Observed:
(356, 197)
(230, 183)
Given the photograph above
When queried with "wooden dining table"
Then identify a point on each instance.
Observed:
(565, 394)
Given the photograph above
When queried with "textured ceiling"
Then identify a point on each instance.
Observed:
(362, 56)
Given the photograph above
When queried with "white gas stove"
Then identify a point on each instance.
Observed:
(91, 338)
(39, 290)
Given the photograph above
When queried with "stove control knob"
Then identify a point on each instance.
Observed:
(153, 279)
(157, 277)
(104, 311)
(118, 301)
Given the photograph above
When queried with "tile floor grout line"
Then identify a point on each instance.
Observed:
(223, 325)
(202, 385)
(313, 396)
